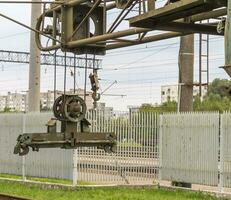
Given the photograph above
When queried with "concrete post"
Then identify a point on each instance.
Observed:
(186, 71)
(24, 157)
(75, 168)
(34, 66)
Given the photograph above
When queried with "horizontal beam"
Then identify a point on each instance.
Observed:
(198, 17)
(181, 27)
(178, 10)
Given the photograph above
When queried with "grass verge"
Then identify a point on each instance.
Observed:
(37, 193)
(47, 180)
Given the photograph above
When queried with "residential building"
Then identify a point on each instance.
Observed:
(18, 101)
(14, 101)
(2, 103)
(170, 92)
(107, 111)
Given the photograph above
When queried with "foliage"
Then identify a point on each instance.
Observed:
(221, 88)
(45, 108)
(6, 109)
(217, 99)
(213, 103)
(115, 193)
(9, 110)
(169, 106)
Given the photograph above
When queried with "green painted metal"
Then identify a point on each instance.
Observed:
(227, 66)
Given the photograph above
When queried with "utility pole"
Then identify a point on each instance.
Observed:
(34, 66)
(186, 69)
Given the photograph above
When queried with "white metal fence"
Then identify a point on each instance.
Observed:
(225, 150)
(51, 163)
(185, 147)
(135, 161)
(189, 150)
(136, 158)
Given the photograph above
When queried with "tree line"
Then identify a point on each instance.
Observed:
(218, 98)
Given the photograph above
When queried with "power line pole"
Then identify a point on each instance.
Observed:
(34, 67)
(186, 73)
(186, 69)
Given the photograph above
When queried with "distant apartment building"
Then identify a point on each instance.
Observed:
(47, 98)
(170, 92)
(14, 101)
(19, 101)
(2, 103)
(107, 111)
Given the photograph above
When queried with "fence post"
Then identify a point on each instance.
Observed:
(75, 169)
(221, 161)
(160, 147)
(24, 157)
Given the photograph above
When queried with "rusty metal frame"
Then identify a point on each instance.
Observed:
(175, 26)
(173, 23)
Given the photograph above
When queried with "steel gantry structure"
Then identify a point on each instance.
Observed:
(49, 59)
(71, 29)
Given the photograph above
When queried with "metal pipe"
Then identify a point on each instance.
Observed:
(122, 18)
(107, 36)
(144, 40)
(118, 17)
(110, 6)
(75, 2)
(32, 2)
(70, 4)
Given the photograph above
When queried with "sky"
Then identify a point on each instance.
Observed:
(138, 71)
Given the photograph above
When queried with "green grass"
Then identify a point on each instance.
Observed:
(48, 180)
(37, 193)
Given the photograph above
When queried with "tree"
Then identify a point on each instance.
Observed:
(169, 106)
(221, 87)
(217, 99)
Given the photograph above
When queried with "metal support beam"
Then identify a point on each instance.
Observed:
(178, 10)
(181, 27)
(151, 5)
(227, 66)
(194, 18)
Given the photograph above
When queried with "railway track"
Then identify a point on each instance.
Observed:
(10, 197)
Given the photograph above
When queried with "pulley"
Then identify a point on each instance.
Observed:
(69, 108)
